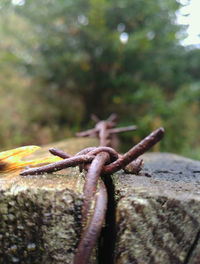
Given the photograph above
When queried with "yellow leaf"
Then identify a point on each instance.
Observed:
(11, 159)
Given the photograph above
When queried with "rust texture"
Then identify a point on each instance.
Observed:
(102, 160)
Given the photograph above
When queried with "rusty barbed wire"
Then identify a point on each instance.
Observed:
(97, 161)
(105, 130)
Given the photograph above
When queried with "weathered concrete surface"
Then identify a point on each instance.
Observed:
(158, 213)
(40, 215)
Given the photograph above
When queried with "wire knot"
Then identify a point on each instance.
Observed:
(93, 152)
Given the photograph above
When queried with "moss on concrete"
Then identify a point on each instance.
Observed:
(158, 217)
(40, 215)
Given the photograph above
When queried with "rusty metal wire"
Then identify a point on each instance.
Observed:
(96, 161)
(105, 130)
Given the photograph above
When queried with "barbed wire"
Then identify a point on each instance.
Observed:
(97, 161)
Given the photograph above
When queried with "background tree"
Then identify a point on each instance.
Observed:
(102, 56)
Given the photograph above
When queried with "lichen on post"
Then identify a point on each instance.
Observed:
(40, 217)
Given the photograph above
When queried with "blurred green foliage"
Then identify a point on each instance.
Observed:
(62, 60)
